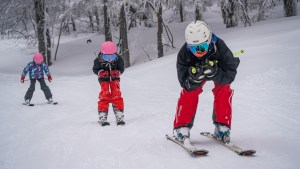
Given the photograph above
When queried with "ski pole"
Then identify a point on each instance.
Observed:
(211, 63)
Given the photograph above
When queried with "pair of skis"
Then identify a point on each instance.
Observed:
(120, 123)
(31, 104)
(194, 151)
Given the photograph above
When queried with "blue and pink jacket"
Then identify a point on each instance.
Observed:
(36, 71)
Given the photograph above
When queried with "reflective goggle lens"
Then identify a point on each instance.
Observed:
(109, 58)
(199, 50)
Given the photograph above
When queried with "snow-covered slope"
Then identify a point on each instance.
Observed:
(266, 105)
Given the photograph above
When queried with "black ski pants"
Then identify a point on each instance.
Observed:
(44, 88)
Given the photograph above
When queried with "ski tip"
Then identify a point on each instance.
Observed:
(199, 153)
(168, 137)
(247, 152)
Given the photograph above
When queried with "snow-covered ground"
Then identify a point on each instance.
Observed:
(266, 105)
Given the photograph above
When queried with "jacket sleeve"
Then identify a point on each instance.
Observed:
(46, 69)
(227, 65)
(96, 66)
(182, 70)
(120, 65)
(25, 70)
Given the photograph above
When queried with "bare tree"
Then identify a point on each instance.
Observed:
(245, 17)
(181, 10)
(123, 38)
(91, 21)
(198, 15)
(229, 12)
(290, 7)
(73, 23)
(160, 48)
(39, 6)
(108, 36)
(97, 19)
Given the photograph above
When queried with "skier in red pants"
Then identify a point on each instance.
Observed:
(108, 66)
(204, 57)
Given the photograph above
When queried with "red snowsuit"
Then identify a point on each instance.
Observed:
(188, 102)
(224, 76)
(110, 93)
(110, 83)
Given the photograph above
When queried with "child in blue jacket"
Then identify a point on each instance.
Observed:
(36, 69)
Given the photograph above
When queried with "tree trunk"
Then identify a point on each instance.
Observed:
(59, 35)
(73, 24)
(229, 9)
(91, 21)
(48, 47)
(290, 7)
(261, 10)
(198, 15)
(40, 23)
(246, 3)
(160, 48)
(181, 10)
(97, 19)
(108, 36)
(25, 19)
(123, 38)
(246, 19)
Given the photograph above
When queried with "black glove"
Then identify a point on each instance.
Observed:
(196, 74)
(210, 68)
(194, 79)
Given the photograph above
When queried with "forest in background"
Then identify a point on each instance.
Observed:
(41, 23)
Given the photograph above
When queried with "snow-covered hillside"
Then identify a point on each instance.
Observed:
(266, 105)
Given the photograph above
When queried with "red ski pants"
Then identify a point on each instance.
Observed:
(110, 93)
(188, 102)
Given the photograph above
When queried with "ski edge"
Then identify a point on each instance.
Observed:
(193, 152)
(230, 146)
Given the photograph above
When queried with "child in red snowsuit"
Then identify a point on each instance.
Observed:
(204, 57)
(108, 66)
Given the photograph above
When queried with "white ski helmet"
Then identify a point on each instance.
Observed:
(197, 32)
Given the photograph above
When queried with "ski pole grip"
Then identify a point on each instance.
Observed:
(239, 52)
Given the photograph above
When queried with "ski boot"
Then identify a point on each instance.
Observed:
(182, 133)
(222, 132)
(27, 102)
(50, 100)
(103, 119)
(119, 117)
